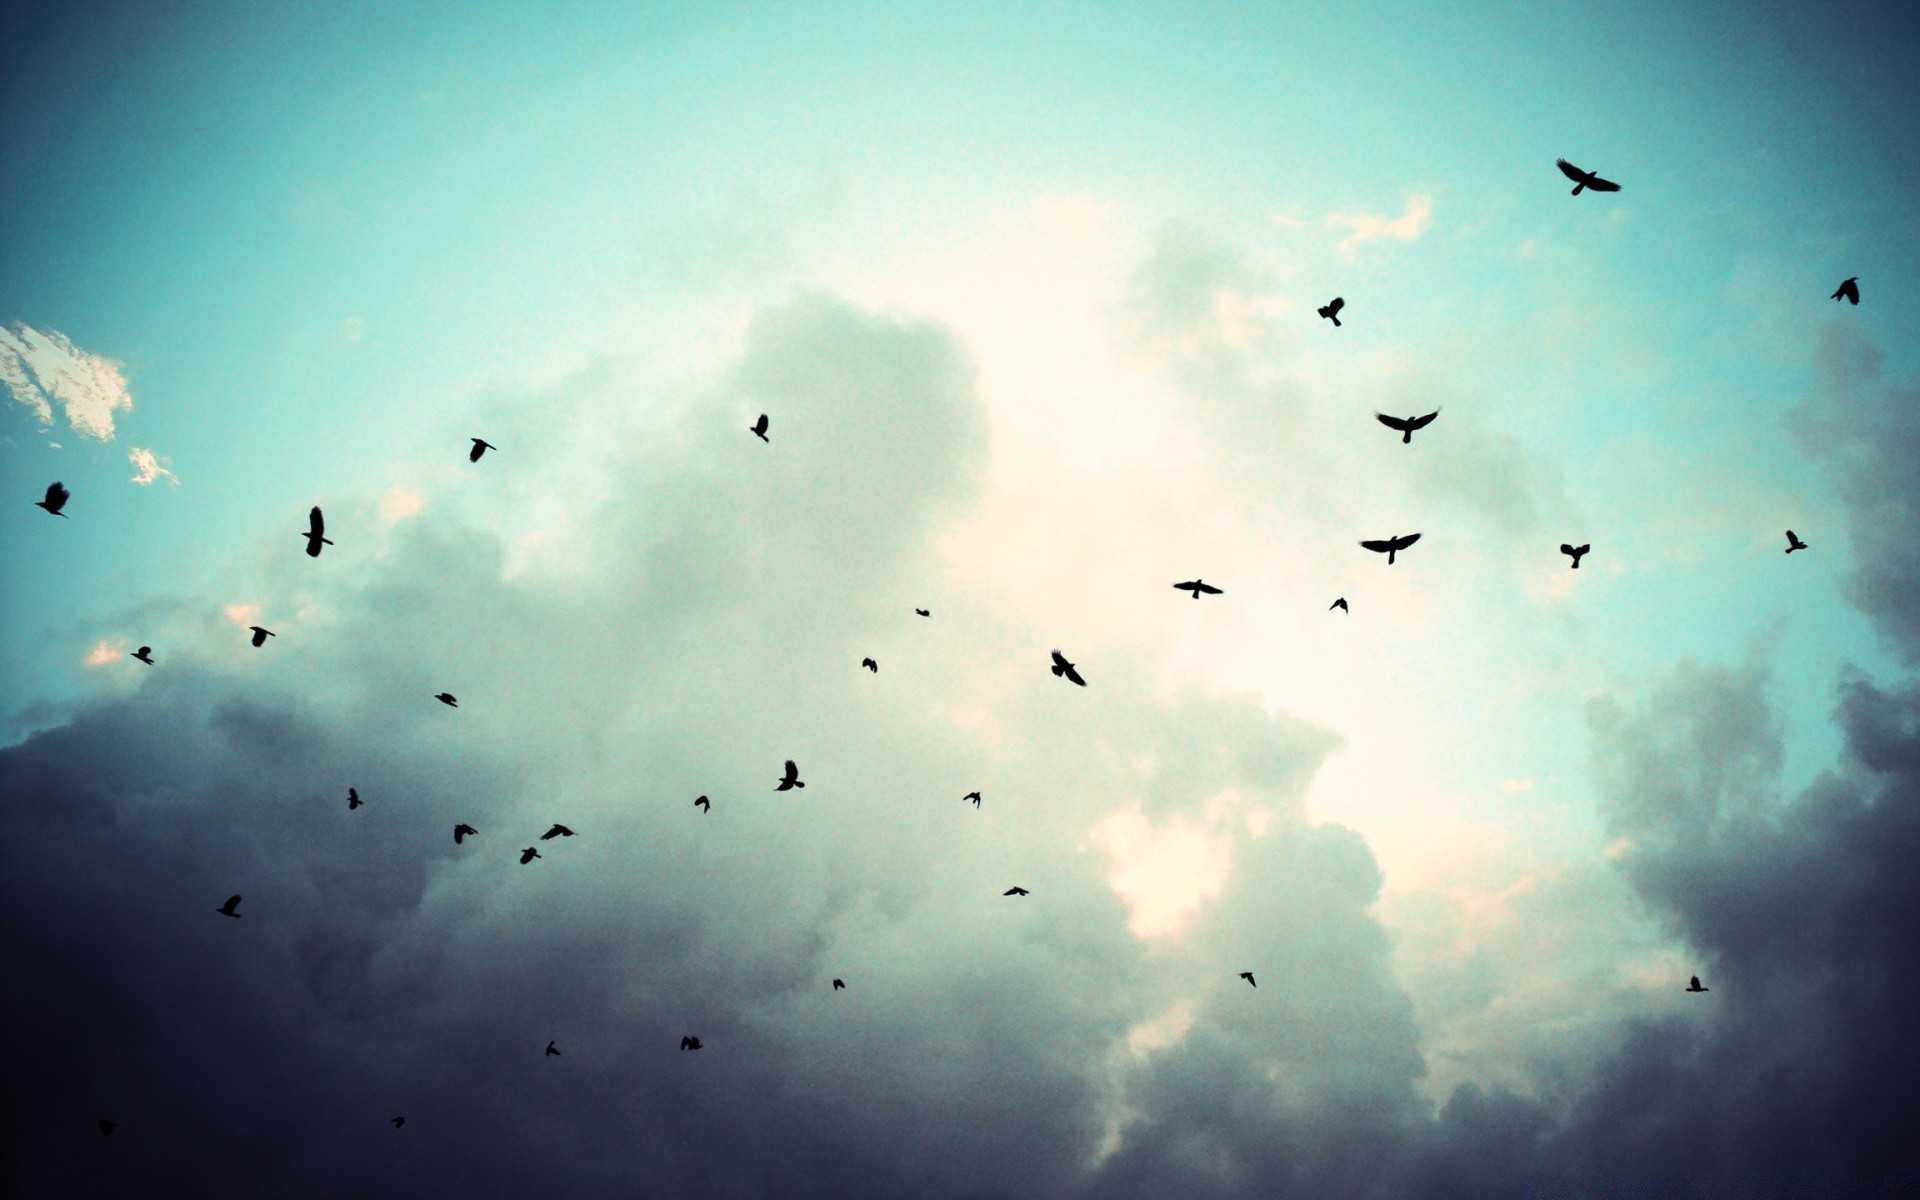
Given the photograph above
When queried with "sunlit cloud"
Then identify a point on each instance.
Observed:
(104, 653)
(1164, 873)
(148, 467)
(42, 369)
(242, 614)
(1367, 227)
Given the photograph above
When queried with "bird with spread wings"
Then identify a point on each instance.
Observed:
(1391, 546)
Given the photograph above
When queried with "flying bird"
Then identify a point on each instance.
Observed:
(1064, 669)
(106, 1127)
(260, 635)
(1340, 604)
(448, 699)
(1793, 543)
(230, 908)
(1331, 310)
(316, 526)
(144, 654)
(1197, 586)
(839, 985)
(479, 447)
(703, 804)
(759, 428)
(1248, 976)
(398, 1121)
(1582, 180)
(558, 830)
(1406, 425)
(528, 855)
(1848, 291)
(462, 832)
(973, 796)
(689, 1043)
(1392, 546)
(553, 1051)
(1575, 552)
(870, 665)
(1014, 891)
(1694, 986)
(791, 780)
(923, 612)
(57, 496)
(353, 799)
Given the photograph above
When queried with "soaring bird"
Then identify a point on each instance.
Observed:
(870, 665)
(57, 495)
(528, 855)
(1793, 543)
(1392, 546)
(1406, 425)
(1582, 180)
(1575, 552)
(689, 1043)
(558, 830)
(1848, 291)
(973, 796)
(839, 985)
(703, 804)
(398, 1121)
(791, 780)
(1340, 604)
(144, 654)
(316, 525)
(1064, 670)
(479, 447)
(230, 908)
(260, 635)
(1014, 891)
(1197, 586)
(106, 1127)
(462, 832)
(1248, 976)
(759, 428)
(353, 799)
(923, 612)
(553, 1051)
(1331, 310)
(448, 699)
(1694, 986)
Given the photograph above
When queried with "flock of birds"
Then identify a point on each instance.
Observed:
(57, 496)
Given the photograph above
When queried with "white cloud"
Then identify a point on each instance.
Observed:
(149, 467)
(104, 653)
(1366, 227)
(41, 368)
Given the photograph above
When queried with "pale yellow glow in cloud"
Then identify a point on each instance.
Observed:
(1163, 873)
(104, 653)
(242, 615)
(1368, 227)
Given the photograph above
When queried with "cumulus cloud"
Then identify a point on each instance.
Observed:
(43, 369)
(148, 467)
(1368, 227)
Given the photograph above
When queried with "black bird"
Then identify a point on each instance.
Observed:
(528, 855)
(759, 428)
(448, 699)
(1392, 546)
(1197, 586)
(1694, 986)
(1340, 604)
(57, 495)
(1582, 180)
(1848, 291)
(1064, 670)
(689, 1043)
(106, 1127)
(553, 1051)
(1331, 311)
(703, 804)
(1406, 425)
(479, 447)
(353, 799)
(1248, 976)
(923, 612)
(462, 832)
(792, 779)
(260, 635)
(316, 526)
(870, 665)
(1575, 552)
(1793, 543)
(558, 830)
(398, 1121)
(1014, 891)
(144, 654)
(973, 796)
(229, 908)
(839, 985)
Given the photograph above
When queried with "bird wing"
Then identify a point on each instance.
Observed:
(793, 772)
(1335, 305)
(316, 524)
(1422, 422)
(233, 902)
(1401, 543)
(1403, 424)
(1572, 172)
(1059, 660)
(1379, 545)
(1190, 585)
(1209, 589)
(57, 494)
(1602, 185)
(1075, 677)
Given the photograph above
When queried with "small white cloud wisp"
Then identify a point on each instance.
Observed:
(40, 369)
(1368, 227)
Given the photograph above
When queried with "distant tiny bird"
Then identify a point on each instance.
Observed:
(106, 1127)
(1340, 604)
(1582, 180)
(553, 1051)
(1392, 546)
(57, 497)
(144, 654)
(558, 830)
(1331, 310)
(759, 429)
(528, 855)
(791, 780)
(1694, 986)
(1064, 670)
(462, 832)
(1793, 543)
(1576, 553)
(1406, 425)
(260, 635)
(839, 985)
(316, 526)
(1197, 586)
(353, 799)
(230, 908)
(1848, 291)
(398, 1121)
(703, 804)
(1248, 976)
(1014, 891)
(479, 447)
(973, 796)
(870, 665)
(447, 698)
(923, 612)
(689, 1043)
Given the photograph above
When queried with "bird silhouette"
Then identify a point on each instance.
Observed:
(1331, 310)
(448, 699)
(528, 855)
(1793, 543)
(106, 1127)
(703, 804)
(553, 1051)
(230, 908)
(791, 780)
(57, 497)
(1197, 586)
(1064, 670)
(689, 1043)
(1694, 985)
(759, 428)
(923, 612)
(1392, 546)
(870, 665)
(462, 832)
(558, 830)
(1582, 180)
(1406, 425)
(1014, 891)
(144, 654)
(1848, 291)
(316, 526)
(1248, 976)
(479, 447)
(1340, 604)
(260, 635)
(353, 799)
(839, 985)
(1576, 553)
(973, 796)
(398, 1121)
